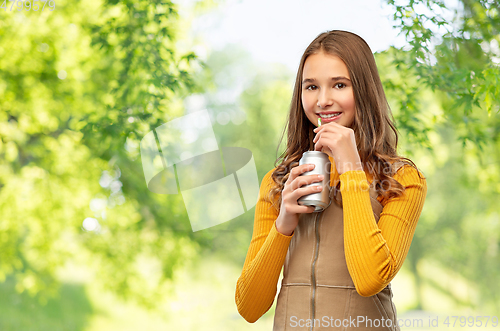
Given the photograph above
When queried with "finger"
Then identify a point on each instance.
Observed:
(318, 146)
(300, 209)
(326, 131)
(324, 149)
(319, 135)
(316, 137)
(327, 126)
(320, 143)
(327, 139)
(297, 171)
(300, 192)
(328, 134)
(301, 181)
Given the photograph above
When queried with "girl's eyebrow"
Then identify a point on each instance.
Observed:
(311, 80)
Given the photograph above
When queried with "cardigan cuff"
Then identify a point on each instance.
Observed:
(282, 237)
(354, 180)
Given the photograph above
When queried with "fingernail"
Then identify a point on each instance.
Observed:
(321, 177)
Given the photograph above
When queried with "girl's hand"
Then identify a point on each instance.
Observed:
(288, 218)
(338, 142)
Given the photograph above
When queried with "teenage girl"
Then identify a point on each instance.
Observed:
(338, 263)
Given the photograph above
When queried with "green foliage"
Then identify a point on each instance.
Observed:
(137, 40)
(70, 309)
(458, 59)
(406, 96)
(79, 87)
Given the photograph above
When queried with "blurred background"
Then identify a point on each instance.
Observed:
(85, 246)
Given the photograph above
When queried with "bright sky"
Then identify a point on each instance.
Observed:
(279, 31)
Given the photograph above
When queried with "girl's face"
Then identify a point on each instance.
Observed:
(327, 89)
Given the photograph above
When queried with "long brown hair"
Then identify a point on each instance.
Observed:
(374, 129)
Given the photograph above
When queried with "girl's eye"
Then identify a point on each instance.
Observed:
(337, 86)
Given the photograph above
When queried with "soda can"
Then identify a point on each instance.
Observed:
(320, 200)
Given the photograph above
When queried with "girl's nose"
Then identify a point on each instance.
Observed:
(324, 100)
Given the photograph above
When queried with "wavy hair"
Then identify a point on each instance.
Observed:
(374, 129)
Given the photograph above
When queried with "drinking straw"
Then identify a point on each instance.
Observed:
(319, 121)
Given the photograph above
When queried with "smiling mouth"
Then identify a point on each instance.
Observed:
(330, 116)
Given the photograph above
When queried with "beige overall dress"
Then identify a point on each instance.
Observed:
(316, 284)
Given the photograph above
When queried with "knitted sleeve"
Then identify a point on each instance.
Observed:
(257, 285)
(375, 252)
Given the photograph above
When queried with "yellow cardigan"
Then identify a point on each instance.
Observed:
(374, 252)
